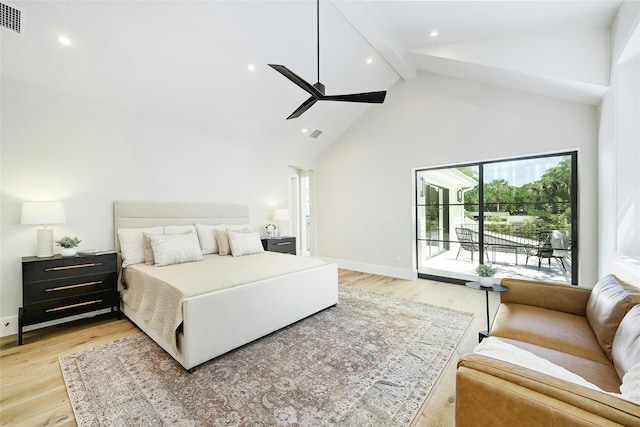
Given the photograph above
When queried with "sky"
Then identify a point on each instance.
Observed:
(520, 172)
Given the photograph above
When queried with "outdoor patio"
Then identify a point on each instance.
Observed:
(445, 264)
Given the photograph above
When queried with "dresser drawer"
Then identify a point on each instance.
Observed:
(66, 267)
(68, 286)
(62, 307)
(285, 245)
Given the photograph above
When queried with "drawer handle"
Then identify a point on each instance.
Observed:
(70, 267)
(283, 243)
(79, 285)
(66, 307)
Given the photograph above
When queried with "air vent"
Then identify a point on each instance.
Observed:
(10, 18)
(315, 134)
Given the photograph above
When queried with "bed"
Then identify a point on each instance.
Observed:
(256, 298)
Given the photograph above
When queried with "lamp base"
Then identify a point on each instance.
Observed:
(45, 243)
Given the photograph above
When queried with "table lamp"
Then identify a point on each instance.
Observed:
(43, 213)
(280, 216)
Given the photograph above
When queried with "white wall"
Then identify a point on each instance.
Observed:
(618, 153)
(86, 154)
(365, 179)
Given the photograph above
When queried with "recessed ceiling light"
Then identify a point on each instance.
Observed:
(305, 130)
(369, 60)
(251, 67)
(64, 40)
(434, 33)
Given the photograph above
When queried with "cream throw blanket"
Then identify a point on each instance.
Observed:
(157, 293)
(498, 349)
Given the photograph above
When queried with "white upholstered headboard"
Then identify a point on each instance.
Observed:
(137, 214)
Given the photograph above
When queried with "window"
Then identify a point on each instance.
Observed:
(519, 215)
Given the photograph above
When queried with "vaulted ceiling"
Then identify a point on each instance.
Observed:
(188, 62)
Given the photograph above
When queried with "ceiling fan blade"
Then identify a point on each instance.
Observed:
(296, 79)
(303, 107)
(368, 97)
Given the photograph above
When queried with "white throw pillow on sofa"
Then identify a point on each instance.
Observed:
(630, 388)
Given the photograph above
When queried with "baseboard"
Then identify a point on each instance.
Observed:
(383, 270)
(10, 324)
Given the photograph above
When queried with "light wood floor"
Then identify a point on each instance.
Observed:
(32, 391)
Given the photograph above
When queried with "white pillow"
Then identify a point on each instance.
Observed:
(179, 229)
(207, 237)
(244, 243)
(630, 387)
(171, 249)
(245, 228)
(132, 244)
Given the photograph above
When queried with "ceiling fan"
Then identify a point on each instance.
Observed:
(317, 90)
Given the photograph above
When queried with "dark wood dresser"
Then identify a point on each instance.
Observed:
(57, 287)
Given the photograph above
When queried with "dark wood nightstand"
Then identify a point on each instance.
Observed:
(285, 245)
(57, 287)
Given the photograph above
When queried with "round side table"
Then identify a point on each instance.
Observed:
(494, 288)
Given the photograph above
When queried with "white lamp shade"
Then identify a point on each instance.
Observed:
(42, 213)
(281, 214)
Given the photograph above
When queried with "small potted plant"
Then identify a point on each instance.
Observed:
(271, 230)
(485, 275)
(68, 245)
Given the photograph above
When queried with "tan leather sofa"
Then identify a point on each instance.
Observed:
(592, 333)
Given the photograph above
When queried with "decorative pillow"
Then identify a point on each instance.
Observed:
(244, 243)
(132, 244)
(171, 249)
(243, 228)
(148, 252)
(611, 298)
(207, 237)
(223, 242)
(168, 229)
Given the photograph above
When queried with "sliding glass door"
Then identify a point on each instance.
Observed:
(518, 215)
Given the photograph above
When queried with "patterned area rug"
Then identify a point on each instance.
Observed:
(371, 360)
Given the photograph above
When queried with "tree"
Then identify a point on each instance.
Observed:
(499, 188)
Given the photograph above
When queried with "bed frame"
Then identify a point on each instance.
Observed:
(221, 321)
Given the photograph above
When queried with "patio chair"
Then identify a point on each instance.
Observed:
(545, 249)
(465, 238)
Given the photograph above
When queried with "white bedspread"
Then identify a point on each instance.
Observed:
(156, 293)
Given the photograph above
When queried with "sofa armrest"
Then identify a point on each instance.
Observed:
(495, 393)
(565, 298)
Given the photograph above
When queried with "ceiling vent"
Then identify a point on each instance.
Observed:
(315, 134)
(10, 18)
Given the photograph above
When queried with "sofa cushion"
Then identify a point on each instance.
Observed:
(600, 374)
(610, 300)
(626, 343)
(568, 333)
